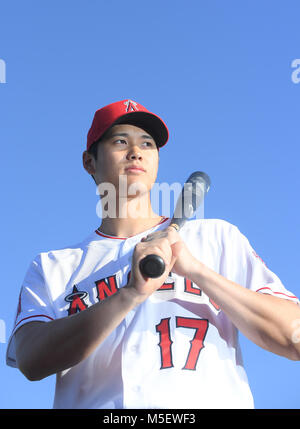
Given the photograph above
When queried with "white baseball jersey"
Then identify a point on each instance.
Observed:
(176, 350)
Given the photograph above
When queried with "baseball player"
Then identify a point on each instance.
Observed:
(116, 339)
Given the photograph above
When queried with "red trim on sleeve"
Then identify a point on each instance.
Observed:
(280, 293)
(29, 317)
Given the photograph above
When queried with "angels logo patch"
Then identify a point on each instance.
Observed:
(76, 300)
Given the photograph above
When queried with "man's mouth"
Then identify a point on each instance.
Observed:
(135, 168)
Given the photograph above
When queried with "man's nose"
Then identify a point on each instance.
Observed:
(133, 154)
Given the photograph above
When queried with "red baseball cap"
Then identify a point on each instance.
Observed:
(127, 112)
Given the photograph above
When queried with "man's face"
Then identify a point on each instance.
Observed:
(128, 151)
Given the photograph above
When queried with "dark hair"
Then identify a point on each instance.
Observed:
(93, 149)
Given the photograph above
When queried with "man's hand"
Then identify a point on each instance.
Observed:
(167, 244)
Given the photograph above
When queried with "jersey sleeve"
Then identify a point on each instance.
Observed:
(34, 304)
(248, 269)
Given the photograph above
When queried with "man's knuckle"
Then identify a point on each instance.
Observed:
(139, 247)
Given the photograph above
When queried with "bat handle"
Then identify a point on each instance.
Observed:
(152, 266)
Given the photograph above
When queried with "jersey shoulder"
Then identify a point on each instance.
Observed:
(210, 226)
(65, 252)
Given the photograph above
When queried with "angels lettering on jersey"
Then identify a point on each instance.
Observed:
(175, 287)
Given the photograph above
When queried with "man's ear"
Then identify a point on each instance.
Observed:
(88, 162)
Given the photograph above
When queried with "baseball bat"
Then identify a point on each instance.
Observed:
(190, 198)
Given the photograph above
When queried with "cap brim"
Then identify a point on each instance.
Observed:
(149, 122)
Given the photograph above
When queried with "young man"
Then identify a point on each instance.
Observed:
(118, 340)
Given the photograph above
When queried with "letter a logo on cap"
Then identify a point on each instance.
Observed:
(130, 106)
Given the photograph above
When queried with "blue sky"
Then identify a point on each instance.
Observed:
(220, 75)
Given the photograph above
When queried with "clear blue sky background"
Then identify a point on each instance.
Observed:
(219, 74)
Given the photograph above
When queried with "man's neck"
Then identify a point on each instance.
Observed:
(132, 216)
(128, 227)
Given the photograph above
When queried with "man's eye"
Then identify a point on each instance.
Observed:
(147, 143)
(121, 141)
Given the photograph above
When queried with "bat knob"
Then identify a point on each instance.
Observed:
(152, 266)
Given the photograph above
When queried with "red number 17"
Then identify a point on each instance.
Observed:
(165, 342)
